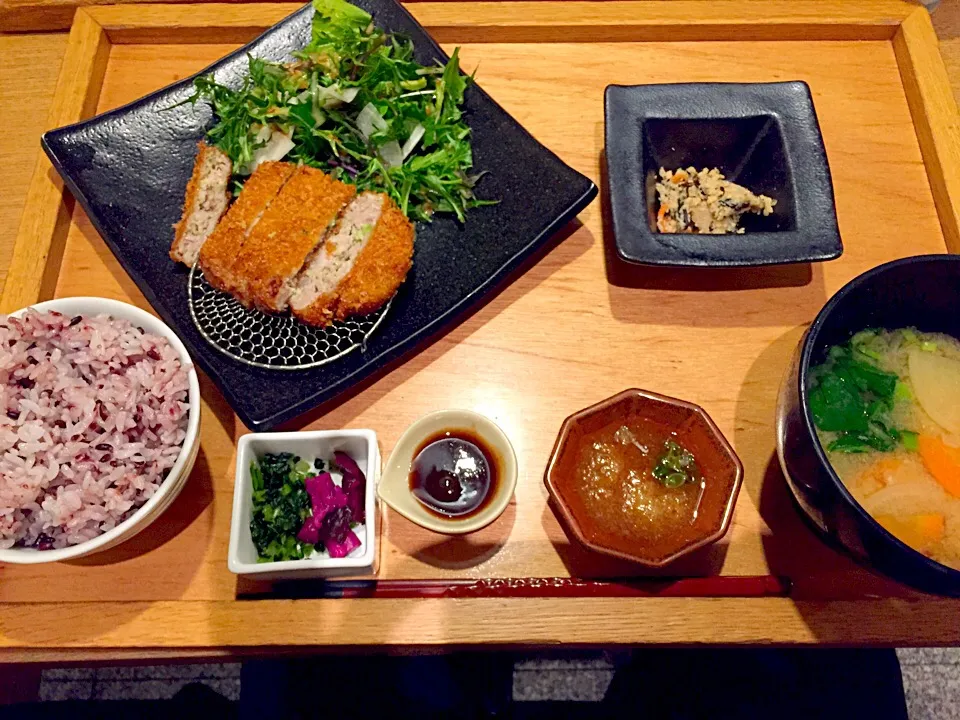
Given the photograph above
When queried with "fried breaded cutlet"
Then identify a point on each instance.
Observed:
(292, 227)
(361, 265)
(297, 238)
(206, 200)
(219, 254)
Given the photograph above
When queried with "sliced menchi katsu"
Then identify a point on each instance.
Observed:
(220, 253)
(292, 228)
(205, 203)
(360, 266)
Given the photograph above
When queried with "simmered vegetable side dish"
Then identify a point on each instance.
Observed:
(299, 510)
(705, 202)
(887, 409)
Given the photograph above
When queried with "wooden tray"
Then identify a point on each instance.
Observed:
(576, 327)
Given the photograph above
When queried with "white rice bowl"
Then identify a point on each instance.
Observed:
(133, 404)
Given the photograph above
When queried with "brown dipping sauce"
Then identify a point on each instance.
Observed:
(454, 473)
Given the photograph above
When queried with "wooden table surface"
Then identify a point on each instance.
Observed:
(23, 109)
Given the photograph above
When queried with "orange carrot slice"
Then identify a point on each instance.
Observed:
(942, 461)
(920, 532)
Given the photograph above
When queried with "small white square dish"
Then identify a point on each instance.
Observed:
(361, 445)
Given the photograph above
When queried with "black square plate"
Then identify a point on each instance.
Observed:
(128, 168)
(764, 136)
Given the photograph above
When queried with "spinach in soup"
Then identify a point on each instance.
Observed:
(850, 395)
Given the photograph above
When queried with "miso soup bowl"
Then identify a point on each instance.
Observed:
(921, 292)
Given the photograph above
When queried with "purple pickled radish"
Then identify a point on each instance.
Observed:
(335, 532)
(310, 532)
(354, 485)
(338, 550)
(334, 508)
(335, 526)
(348, 465)
(325, 497)
(324, 494)
(316, 486)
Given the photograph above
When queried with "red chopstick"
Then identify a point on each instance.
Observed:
(722, 586)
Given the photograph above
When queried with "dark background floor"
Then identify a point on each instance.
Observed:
(650, 683)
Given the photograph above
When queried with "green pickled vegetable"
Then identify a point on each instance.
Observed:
(280, 505)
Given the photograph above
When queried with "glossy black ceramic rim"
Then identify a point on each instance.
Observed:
(638, 244)
(809, 346)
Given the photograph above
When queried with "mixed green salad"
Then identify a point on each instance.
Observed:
(356, 104)
(299, 510)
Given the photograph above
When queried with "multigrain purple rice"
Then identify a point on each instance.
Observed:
(93, 413)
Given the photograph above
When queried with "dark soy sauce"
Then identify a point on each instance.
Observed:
(454, 473)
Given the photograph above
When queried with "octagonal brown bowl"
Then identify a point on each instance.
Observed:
(719, 465)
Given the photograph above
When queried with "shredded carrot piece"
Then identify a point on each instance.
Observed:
(942, 461)
(678, 177)
(662, 218)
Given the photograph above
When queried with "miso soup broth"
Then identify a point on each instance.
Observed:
(887, 409)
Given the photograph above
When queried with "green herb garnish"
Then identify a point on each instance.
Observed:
(280, 505)
(676, 466)
(852, 397)
(357, 105)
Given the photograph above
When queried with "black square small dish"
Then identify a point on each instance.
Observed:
(128, 168)
(764, 136)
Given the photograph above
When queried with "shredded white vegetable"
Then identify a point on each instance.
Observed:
(276, 148)
(370, 120)
(392, 154)
(333, 96)
(415, 136)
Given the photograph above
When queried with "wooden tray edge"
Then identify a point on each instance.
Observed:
(38, 248)
(258, 626)
(804, 15)
(935, 116)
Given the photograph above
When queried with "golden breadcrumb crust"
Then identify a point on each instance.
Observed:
(190, 200)
(293, 226)
(219, 254)
(381, 266)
